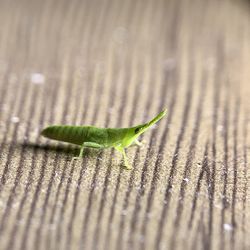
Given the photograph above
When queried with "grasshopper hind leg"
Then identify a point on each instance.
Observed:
(80, 154)
(86, 145)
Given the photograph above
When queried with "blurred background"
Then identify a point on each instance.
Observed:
(114, 63)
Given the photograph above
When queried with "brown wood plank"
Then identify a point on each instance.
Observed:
(115, 64)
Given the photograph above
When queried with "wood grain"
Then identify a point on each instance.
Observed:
(115, 64)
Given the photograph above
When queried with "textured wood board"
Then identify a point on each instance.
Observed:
(118, 63)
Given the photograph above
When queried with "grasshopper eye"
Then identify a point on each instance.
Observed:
(137, 130)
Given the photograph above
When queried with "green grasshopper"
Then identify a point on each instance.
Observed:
(100, 138)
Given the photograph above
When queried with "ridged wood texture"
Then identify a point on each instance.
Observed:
(118, 63)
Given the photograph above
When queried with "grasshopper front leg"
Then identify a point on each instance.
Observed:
(138, 143)
(125, 158)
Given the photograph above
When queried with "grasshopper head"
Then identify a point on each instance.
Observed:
(136, 131)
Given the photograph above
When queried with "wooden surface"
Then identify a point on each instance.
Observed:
(116, 64)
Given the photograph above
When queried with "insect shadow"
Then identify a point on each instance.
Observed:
(61, 150)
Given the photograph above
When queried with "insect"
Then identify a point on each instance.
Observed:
(100, 138)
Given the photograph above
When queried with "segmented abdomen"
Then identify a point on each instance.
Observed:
(71, 134)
